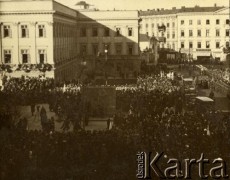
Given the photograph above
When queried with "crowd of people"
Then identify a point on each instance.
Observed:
(25, 90)
(150, 117)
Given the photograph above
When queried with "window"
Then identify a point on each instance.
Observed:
(94, 32)
(6, 31)
(199, 33)
(146, 26)
(217, 21)
(25, 56)
(42, 56)
(227, 21)
(130, 31)
(7, 56)
(182, 33)
(118, 31)
(83, 32)
(118, 48)
(217, 32)
(182, 45)
(41, 30)
(207, 21)
(107, 32)
(198, 44)
(130, 49)
(168, 24)
(152, 25)
(173, 35)
(24, 31)
(182, 22)
(95, 49)
(168, 35)
(207, 44)
(207, 32)
(227, 32)
(190, 33)
(83, 49)
(217, 45)
(199, 22)
(173, 24)
(190, 22)
(190, 45)
(227, 44)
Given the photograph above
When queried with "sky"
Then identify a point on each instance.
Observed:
(145, 4)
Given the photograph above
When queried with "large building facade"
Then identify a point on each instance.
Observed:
(46, 32)
(199, 32)
(38, 32)
(110, 40)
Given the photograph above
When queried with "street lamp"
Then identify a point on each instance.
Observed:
(106, 53)
(106, 58)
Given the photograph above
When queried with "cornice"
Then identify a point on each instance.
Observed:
(182, 14)
(25, 12)
(196, 13)
(103, 19)
(65, 15)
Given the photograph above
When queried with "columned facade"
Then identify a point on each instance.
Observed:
(37, 33)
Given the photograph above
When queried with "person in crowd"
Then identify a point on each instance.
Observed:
(52, 124)
(43, 117)
(108, 123)
(32, 109)
(211, 94)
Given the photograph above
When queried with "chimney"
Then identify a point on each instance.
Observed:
(215, 5)
(162, 9)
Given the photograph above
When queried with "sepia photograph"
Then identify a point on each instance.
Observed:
(114, 89)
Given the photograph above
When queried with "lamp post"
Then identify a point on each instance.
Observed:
(106, 58)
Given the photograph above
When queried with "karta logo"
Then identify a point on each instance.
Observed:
(147, 166)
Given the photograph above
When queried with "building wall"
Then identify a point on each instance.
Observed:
(58, 43)
(118, 47)
(65, 38)
(32, 42)
(149, 26)
(112, 20)
(208, 34)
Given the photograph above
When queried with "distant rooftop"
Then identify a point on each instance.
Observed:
(183, 9)
(82, 3)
